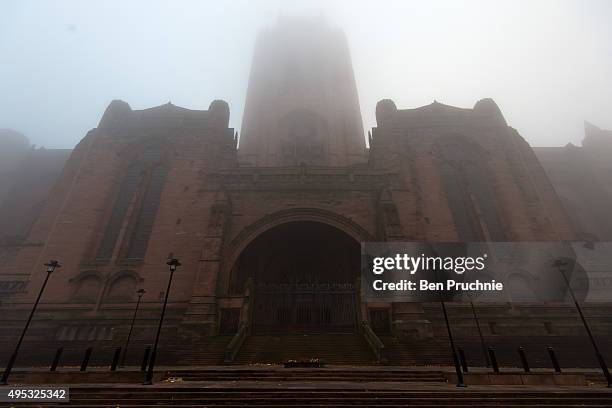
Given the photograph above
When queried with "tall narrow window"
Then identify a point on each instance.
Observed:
(146, 214)
(135, 208)
(466, 182)
(128, 187)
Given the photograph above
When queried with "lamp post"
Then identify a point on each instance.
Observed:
(140, 292)
(173, 263)
(482, 342)
(460, 380)
(51, 266)
(559, 264)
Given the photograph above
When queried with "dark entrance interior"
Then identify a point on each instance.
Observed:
(304, 276)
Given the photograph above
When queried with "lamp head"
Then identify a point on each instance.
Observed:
(52, 265)
(141, 292)
(173, 263)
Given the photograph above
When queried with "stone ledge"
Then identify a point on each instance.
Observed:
(77, 377)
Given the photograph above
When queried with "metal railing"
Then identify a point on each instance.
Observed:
(377, 346)
(232, 349)
(235, 344)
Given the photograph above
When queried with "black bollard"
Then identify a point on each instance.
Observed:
(463, 360)
(145, 359)
(115, 359)
(493, 360)
(56, 359)
(553, 359)
(86, 359)
(523, 357)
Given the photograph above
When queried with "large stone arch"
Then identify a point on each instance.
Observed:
(300, 267)
(269, 221)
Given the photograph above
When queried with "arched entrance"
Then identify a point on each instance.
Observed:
(304, 275)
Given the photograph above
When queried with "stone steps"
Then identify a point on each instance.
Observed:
(571, 351)
(331, 348)
(281, 374)
(209, 351)
(301, 397)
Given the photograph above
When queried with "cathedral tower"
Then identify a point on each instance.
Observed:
(302, 104)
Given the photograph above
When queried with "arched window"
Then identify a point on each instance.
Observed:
(87, 287)
(484, 295)
(304, 141)
(468, 188)
(122, 287)
(520, 288)
(135, 206)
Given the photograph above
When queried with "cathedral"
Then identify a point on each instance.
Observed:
(267, 224)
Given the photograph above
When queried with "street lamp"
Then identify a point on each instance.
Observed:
(51, 266)
(140, 292)
(172, 263)
(559, 264)
(482, 341)
(460, 380)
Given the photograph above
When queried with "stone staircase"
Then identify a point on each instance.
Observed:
(173, 396)
(571, 351)
(334, 348)
(354, 374)
(207, 351)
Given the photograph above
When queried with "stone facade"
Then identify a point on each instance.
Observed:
(27, 174)
(146, 183)
(582, 177)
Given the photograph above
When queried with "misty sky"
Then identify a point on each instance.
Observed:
(548, 64)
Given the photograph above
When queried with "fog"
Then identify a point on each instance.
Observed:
(547, 64)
